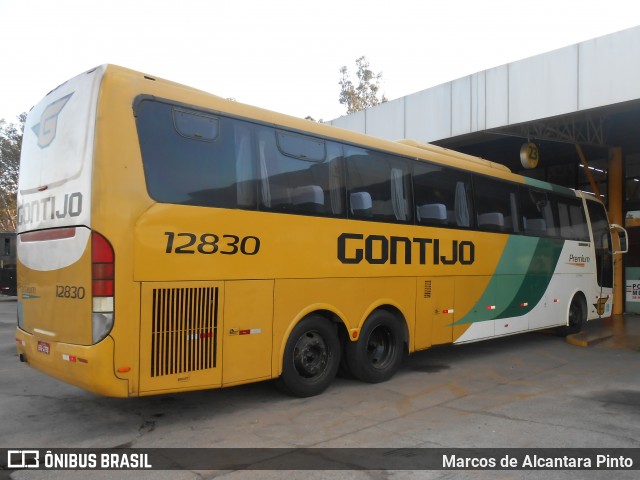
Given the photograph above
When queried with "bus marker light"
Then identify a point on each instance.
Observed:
(556, 300)
(524, 304)
(124, 369)
(251, 331)
(491, 307)
(447, 310)
(354, 334)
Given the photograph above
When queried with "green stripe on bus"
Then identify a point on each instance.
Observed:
(536, 281)
(521, 277)
(549, 186)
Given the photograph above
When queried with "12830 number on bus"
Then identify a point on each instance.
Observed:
(210, 243)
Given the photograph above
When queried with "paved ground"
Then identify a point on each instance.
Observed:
(530, 390)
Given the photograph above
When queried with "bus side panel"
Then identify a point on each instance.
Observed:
(514, 297)
(247, 339)
(434, 311)
(473, 295)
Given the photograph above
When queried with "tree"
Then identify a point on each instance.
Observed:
(10, 147)
(365, 94)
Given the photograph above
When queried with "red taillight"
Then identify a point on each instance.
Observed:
(102, 270)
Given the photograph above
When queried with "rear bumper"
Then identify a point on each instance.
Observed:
(87, 367)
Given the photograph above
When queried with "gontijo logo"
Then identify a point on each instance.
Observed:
(46, 129)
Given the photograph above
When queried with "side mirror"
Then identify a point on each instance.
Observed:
(623, 238)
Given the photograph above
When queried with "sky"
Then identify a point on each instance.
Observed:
(285, 55)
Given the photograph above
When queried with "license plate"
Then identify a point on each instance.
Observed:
(43, 347)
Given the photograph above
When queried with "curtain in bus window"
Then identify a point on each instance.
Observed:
(398, 196)
(462, 205)
(336, 182)
(246, 189)
(549, 219)
(264, 174)
(514, 208)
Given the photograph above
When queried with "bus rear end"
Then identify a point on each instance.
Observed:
(65, 269)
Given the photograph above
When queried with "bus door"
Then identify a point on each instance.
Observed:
(602, 247)
(604, 251)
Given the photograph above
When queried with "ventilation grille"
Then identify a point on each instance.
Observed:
(427, 289)
(184, 330)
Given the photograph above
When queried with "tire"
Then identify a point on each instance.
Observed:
(343, 370)
(311, 357)
(577, 316)
(379, 351)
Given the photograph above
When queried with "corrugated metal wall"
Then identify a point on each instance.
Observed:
(595, 73)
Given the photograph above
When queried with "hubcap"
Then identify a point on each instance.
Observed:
(310, 355)
(380, 347)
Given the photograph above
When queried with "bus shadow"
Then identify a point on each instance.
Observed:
(144, 421)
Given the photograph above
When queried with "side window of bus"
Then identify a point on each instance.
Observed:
(571, 219)
(442, 196)
(537, 213)
(195, 158)
(379, 186)
(299, 173)
(496, 205)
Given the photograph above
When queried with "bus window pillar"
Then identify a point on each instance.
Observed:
(614, 192)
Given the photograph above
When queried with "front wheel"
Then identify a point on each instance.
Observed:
(379, 351)
(577, 316)
(311, 357)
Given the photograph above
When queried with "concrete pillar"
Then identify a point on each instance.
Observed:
(615, 188)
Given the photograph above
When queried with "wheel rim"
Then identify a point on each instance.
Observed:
(380, 347)
(310, 355)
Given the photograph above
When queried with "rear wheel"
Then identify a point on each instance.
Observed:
(311, 357)
(378, 353)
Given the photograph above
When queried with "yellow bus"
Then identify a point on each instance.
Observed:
(171, 240)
